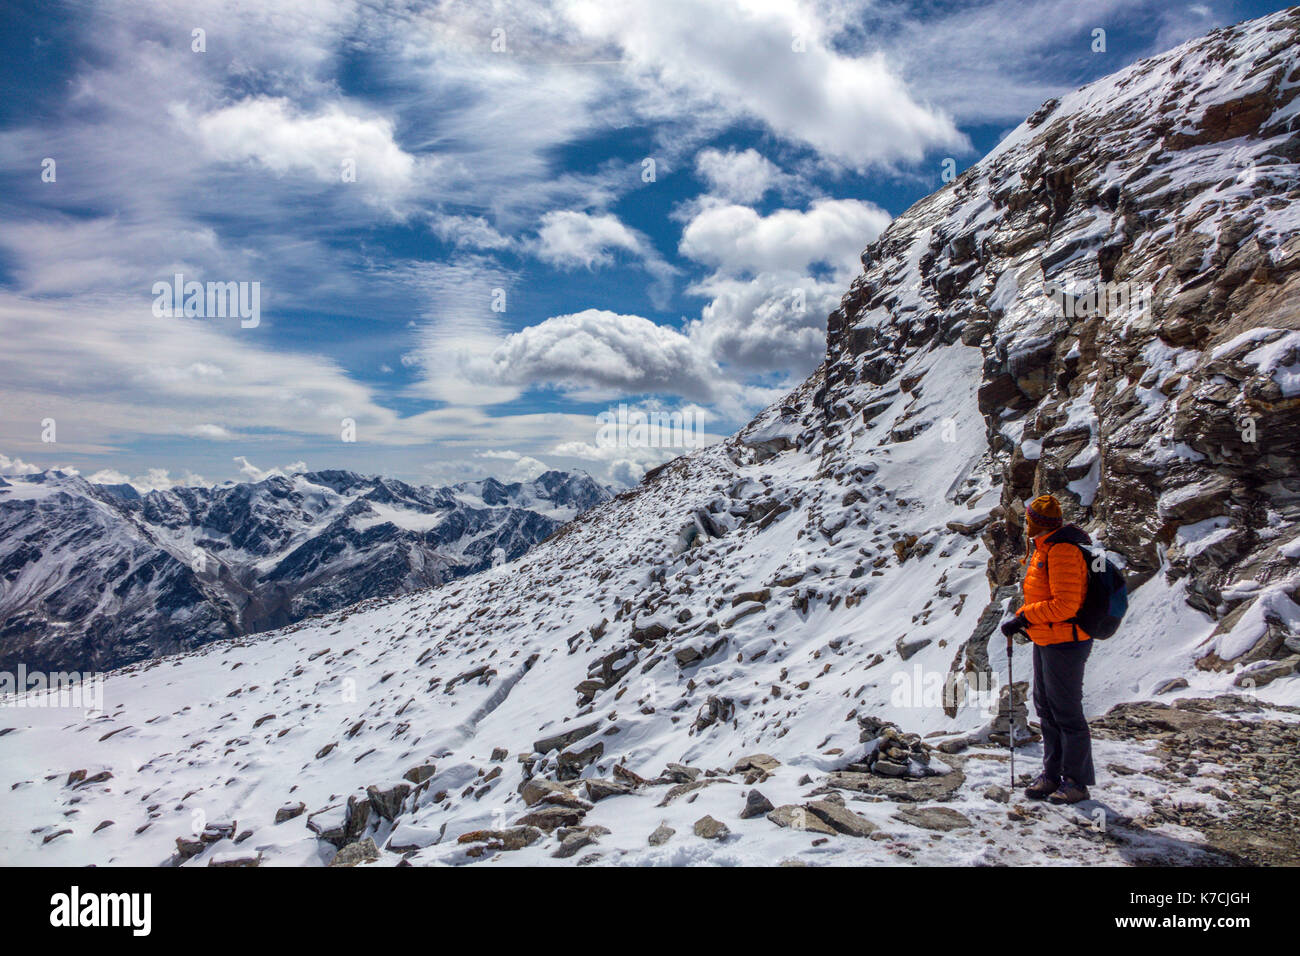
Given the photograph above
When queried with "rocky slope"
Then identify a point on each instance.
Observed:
(778, 648)
(95, 576)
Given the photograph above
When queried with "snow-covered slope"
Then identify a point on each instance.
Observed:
(95, 576)
(746, 621)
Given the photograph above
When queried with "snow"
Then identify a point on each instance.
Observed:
(403, 518)
(1196, 537)
(1269, 360)
(1272, 603)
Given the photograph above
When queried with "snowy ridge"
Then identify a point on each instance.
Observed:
(741, 628)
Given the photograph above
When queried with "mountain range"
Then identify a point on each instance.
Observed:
(95, 576)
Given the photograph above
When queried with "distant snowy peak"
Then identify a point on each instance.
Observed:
(560, 494)
(93, 576)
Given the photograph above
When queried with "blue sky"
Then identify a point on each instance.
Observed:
(501, 154)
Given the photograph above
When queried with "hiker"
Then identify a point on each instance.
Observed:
(1056, 580)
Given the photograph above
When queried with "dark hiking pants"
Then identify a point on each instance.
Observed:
(1058, 698)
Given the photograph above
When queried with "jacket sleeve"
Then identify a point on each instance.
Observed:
(1067, 579)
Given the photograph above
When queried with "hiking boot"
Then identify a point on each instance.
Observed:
(1041, 788)
(1069, 792)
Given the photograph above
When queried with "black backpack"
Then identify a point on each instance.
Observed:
(1106, 598)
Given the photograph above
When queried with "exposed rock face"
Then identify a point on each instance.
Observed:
(1128, 264)
(96, 576)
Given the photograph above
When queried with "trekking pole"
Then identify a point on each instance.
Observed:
(1011, 714)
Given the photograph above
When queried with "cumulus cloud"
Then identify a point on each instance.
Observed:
(253, 473)
(774, 280)
(774, 322)
(571, 239)
(741, 176)
(327, 144)
(737, 240)
(16, 467)
(600, 353)
(772, 62)
(521, 467)
(766, 312)
(154, 479)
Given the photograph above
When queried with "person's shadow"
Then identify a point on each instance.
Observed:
(1138, 845)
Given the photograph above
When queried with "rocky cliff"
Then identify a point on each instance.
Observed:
(1128, 265)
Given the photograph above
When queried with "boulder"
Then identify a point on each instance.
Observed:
(341, 824)
(548, 818)
(509, 839)
(841, 819)
(535, 789)
(387, 800)
(289, 811)
(800, 818)
(599, 788)
(933, 818)
(571, 763)
(577, 839)
(908, 648)
(1267, 673)
(708, 828)
(661, 835)
(565, 738)
(419, 773)
(362, 851)
(764, 762)
(910, 789)
(756, 805)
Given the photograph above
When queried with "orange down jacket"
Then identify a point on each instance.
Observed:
(1056, 580)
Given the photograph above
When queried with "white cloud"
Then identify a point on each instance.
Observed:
(600, 353)
(738, 240)
(571, 239)
(469, 232)
(774, 62)
(522, 467)
(15, 467)
(212, 432)
(767, 309)
(253, 473)
(275, 133)
(738, 176)
(154, 479)
(774, 322)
